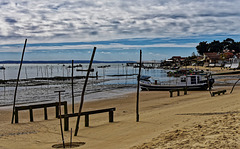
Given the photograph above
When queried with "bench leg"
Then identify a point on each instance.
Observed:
(178, 93)
(65, 109)
(66, 123)
(31, 114)
(185, 91)
(16, 116)
(170, 93)
(86, 120)
(110, 116)
(45, 113)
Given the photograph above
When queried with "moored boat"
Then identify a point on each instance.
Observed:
(192, 82)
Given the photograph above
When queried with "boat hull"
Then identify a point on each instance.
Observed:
(153, 87)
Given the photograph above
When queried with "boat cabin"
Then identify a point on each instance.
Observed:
(191, 79)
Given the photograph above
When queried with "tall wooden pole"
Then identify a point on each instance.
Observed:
(83, 91)
(15, 93)
(60, 115)
(138, 85)
(72, 88)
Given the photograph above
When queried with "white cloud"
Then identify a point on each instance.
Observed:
(103, 20)
(51, 21)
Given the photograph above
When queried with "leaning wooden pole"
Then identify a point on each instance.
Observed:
(72, 88)
(138, 85)
(234, 86)
(83, 91)
(19, 71)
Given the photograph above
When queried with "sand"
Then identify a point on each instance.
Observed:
(196, 120)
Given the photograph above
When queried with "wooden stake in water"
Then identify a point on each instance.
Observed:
(83, 91)
(138, 85)
(15, 93)
(60, 115)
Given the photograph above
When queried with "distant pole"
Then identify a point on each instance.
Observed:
(83, 91)
(72, 88)
(138, 85)
(15, 93)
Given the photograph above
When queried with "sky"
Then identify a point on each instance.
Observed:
(70, 29)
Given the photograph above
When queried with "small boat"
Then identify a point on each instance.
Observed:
(194, 82)
(2, 68)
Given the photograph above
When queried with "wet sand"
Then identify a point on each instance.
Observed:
(191, 121)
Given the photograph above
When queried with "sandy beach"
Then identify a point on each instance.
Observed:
(195, 120)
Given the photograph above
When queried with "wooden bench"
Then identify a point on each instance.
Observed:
(38, 106)
(86, 114)
(178, 91)
(219, 92)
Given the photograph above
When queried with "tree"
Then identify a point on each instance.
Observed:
(202, 47)
(229, 44)
(215, 46)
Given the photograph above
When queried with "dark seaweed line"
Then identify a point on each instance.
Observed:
(214, 113)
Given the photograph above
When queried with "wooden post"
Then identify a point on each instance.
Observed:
(31, 114)
(66, 118)
(178, 92)
(45, 113)
(234, 86)
(138, 86)
(83, 91)
(71, 139)
(66, 123)
(60, 115)
(65, 108)
(16, 115)
(86, 120)
(171, 93)
(110, 116)
(15, 93)
(185, 90)
(72, 88)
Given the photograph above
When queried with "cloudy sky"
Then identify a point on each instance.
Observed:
(69, 29)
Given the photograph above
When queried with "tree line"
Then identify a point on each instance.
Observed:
(217, 46)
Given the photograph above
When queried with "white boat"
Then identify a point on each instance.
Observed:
(194, 82)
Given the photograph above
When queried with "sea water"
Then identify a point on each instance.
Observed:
(117, 79)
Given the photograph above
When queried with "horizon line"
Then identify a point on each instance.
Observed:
(59, 61)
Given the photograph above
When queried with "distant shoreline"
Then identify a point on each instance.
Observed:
(61, 62)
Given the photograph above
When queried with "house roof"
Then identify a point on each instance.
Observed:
(228, 55)
(212, 55)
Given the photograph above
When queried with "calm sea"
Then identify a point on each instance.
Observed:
(116, 79)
